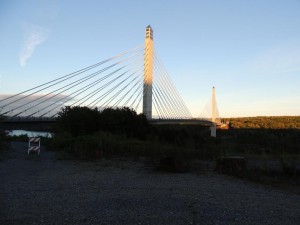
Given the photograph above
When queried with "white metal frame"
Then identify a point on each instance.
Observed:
(34, 148)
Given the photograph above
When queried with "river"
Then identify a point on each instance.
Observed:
(29, 133)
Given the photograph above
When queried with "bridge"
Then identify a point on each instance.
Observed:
(135, 78)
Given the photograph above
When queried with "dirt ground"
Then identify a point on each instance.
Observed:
(45, 190)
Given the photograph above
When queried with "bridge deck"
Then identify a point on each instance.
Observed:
(35, 123)
(181, 121)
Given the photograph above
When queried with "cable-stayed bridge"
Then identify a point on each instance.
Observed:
(136, 79)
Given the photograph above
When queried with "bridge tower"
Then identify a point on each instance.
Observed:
(214, 112)
(148, 70)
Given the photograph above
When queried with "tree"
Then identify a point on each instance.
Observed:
(83, 120)
(124, 121)
(78, 120)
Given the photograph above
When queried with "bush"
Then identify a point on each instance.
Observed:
(22, 137)
(124, 121)
(88, 133)
(104, 144)
(79, 121)
(61, 141)
(231, 165)
(87, 147)
(4, 144)
(288, 165)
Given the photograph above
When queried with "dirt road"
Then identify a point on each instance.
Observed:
(48, 191)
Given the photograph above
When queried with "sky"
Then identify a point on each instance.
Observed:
(248, 50)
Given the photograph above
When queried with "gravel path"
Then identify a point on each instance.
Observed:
(47, 191)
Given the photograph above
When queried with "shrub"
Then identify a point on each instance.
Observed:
(4, 144)
(124, 121)
(22, 137)
(231, 165)
(288, 165)
(61, 141)
(79, 121)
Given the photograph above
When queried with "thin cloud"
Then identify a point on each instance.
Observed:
(34, 36)
(37, 104)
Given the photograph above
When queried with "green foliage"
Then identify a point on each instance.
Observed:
(45, 141)
(80, 121)
(104, 144)
(124, 121)
(180, 135)
(88, 134)
(288, 165)
(101, 144)
(3, 138)
(262, 141)
(23, 137)
(3, 141)
(262, 122)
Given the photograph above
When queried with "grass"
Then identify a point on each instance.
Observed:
(183, 155)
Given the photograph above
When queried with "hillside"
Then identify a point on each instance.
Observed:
(266, 122)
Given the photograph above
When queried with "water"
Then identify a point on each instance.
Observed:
(29, 133)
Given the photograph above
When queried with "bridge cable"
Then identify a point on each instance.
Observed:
(157, 107)
(134, 92)
(171, 86)
(168, 94)
(163, 94)
(92, 94)
(100, 98)
(72, 74)
(115, 95)
(97, 91)
(165, 98)
(76, 83)
(164, 102)
(92, 75)
(161, 104)
(80, 81)
(82, 90)
(130, 90)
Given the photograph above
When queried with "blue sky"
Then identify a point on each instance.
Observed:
(248, 50)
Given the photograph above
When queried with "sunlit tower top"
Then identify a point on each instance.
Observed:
(148, 71)
(149, 32)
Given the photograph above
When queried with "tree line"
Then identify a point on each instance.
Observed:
(265, 122)
(88, 133)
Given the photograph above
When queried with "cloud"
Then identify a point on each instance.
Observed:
(37, 104)
(34, 36)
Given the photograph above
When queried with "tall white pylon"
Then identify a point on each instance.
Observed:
(148, 70)
(213, 130)
(214, 112)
